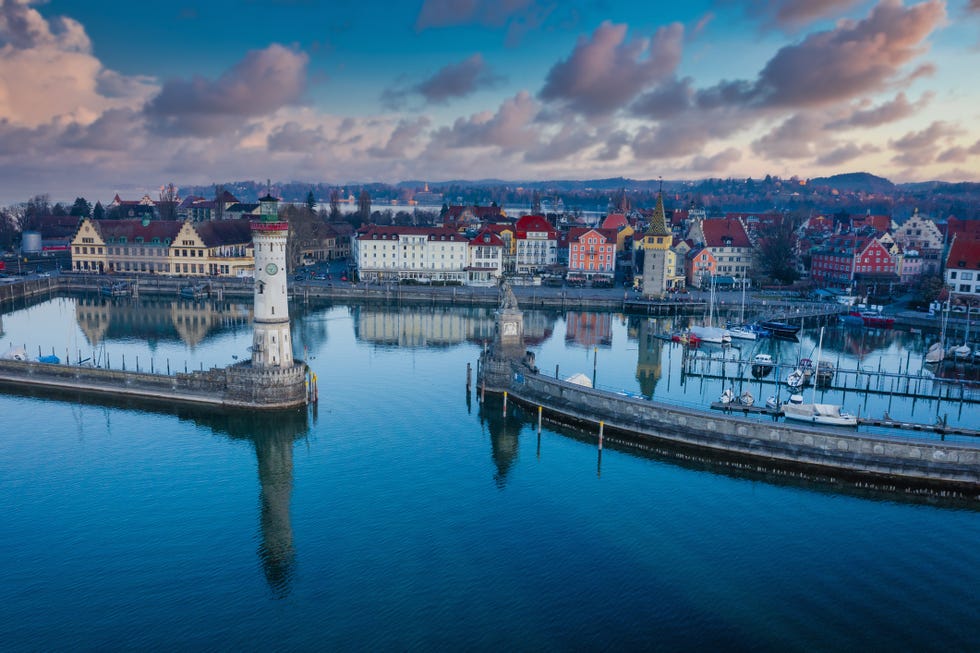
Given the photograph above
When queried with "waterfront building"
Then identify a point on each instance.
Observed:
(656, 248)
(701, 266)
(592, 253)
(422, 254)
(963, 268)
(848, 258)
(922, 235)
(728, 241)
(537, 244)
(163, 247)
(486, 259)
(272, 346)
(624, 231)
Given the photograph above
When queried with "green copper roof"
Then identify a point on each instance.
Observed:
(658, 222)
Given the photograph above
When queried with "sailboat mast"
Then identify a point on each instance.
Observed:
(741, 314)
(817, 366)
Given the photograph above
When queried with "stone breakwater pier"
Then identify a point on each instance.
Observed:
(239, 386)
(901, 463)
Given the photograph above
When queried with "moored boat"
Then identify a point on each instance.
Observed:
(829, 414)
(742, 333)
(762, 364)
(873, 319)
(780, 329)
(714, 335)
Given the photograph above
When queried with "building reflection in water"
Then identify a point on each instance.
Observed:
(649, 362)
(420, 326)
(588, 329)
(155, 319)
(504, 433)
(273, 436)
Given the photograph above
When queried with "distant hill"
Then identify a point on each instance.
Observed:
(855, 181)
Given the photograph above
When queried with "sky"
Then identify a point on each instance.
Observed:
(99, 97)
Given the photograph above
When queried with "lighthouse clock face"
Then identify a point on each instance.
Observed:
(271, 269)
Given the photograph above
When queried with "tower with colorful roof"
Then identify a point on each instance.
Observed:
(656, 244)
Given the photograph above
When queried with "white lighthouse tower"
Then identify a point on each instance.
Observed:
(272, 346)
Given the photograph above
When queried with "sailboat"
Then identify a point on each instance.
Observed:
(741, 332)
(711, 333)
(815, 413)
(963, 351)
(937, 350)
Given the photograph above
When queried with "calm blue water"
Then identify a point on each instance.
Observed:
(403, 516)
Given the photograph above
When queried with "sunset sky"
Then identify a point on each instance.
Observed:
(105, 96)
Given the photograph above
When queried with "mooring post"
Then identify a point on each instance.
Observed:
(556, 370)
(595, 358)
(137, 363)
(602, 426)
(539, 419)
(468, 372)
(124, 362)
(505, 403)
(168, 367)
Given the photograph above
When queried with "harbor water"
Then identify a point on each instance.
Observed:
(401, 513)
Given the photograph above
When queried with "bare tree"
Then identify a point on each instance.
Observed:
(364, 206)
(334, 205)
(168, 202)
(219, 202)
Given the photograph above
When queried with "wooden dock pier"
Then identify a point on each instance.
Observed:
(865, 382)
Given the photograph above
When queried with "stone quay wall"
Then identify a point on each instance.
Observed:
(236, 386)
(935, 465)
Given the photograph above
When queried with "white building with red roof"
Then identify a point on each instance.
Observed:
(728, 241)
(963, 268)
(486, 259)
(537, 244)
(423, 254)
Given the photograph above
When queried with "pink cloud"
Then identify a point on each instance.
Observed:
(605, 73)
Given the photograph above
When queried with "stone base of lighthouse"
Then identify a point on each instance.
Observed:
(267, 387)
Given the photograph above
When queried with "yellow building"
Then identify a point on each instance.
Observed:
(222, 249)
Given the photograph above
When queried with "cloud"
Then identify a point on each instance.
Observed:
(200, 107)
(116, 130)
(605, 73)
(714, 163)
(293, 137)
(571, 138)
(845, 153)
(49, 72)
(855, 58)
(405, 135)
(895, 109)
(450, 82)
(614, 143)
(667, 99)
(792, 14)
(509, 128)
(921, 147)
(793, 139)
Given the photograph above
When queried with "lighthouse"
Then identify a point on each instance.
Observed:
(272, 346)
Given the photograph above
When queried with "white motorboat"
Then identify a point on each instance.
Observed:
(829, 414)
(763, 359)
(746, 399)
(772, 403)
(796, 399)
(741, 333)
(715, 335)
(727, 396)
